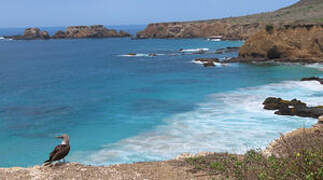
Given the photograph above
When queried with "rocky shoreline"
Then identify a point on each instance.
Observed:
(71, 32)
(178, 168)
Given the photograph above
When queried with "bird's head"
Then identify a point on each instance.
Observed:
(65, 137)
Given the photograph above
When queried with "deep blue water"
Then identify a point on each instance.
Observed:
(120, 109)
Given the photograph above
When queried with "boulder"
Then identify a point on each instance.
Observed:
(293, 107)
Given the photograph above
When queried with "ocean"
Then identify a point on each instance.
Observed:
(122, 109)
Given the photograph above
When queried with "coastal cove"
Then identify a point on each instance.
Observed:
(123, 109)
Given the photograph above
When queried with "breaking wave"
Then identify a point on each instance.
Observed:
(195, 50)
(233, 122)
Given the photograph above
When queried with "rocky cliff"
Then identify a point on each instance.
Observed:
(303, 43)
(305, 11)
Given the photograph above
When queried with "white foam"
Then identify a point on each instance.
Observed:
(216, 40)
(135, 55)
(217, 64)
(2, 38)
(195, 50)
(141, 55)
(226, 122)
(318, 66)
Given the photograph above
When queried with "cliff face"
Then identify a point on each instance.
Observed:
(200, 29)
(305, 11)
(292, 43)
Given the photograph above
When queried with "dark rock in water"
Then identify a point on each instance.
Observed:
(272, 103)
(320, 80)
(205, 60)
(293, 107)
(208, 62)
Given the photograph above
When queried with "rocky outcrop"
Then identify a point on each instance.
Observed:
(295, 43)
(31, 34)
(293, 107)
(207, 62)
(320, 80)
(72, 32)
(96, 31)
(237, 28)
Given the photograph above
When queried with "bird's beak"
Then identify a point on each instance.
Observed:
(59, 136)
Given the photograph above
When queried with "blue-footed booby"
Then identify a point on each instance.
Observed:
(60, 151)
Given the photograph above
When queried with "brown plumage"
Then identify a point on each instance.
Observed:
(60, 151)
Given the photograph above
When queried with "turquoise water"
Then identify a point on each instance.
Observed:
(120, 109)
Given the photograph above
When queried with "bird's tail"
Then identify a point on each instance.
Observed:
(48, 162)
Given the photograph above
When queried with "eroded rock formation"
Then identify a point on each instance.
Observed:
(302, 43)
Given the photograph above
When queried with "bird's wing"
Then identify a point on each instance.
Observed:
(55, 151)
(59, 152)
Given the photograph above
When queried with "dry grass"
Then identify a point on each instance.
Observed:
(297, 156)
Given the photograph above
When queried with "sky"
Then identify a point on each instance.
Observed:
(47, 13)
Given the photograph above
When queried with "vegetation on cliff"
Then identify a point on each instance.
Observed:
(303, 12)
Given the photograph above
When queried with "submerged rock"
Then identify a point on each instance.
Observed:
(207, 62)
(320, 80)
(293, 107)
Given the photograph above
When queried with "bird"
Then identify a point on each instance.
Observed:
(60, 151)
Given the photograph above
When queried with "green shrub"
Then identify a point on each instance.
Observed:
(269, 28)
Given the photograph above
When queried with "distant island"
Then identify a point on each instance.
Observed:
(71, 32)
